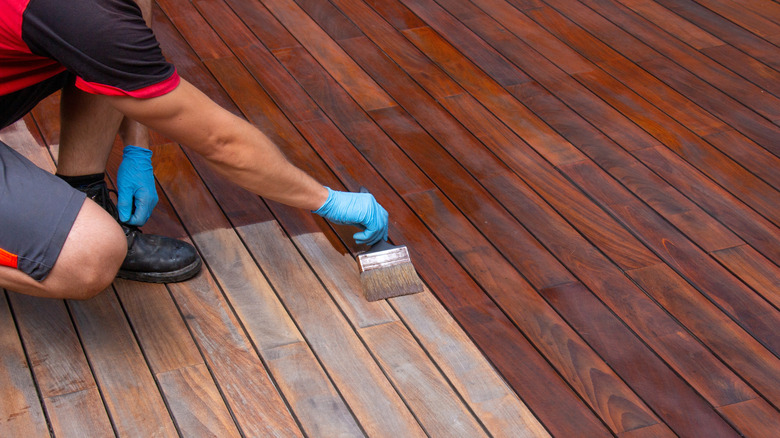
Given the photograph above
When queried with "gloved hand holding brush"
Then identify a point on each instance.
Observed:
(358, 209)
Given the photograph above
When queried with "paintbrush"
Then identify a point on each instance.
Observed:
(386, 271)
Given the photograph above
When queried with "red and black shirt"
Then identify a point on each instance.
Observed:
(105, 43)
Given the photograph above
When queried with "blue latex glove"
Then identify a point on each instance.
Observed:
(136, 192)
(359, 209)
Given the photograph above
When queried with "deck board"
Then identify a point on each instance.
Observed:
(589, 189)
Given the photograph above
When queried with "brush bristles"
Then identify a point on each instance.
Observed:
(390, 281)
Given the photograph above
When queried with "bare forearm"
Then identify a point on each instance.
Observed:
(234, 147)
(249, 158)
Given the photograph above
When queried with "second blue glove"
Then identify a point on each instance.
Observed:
(359, 209)
(136, 192)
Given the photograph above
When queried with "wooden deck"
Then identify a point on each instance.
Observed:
(590, 190)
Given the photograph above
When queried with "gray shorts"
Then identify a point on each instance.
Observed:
(37, 211)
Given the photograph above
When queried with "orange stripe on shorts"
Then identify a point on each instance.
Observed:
(8, 259)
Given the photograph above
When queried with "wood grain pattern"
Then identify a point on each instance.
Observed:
(755, 270)
(195, 403)
(436, 405)
(20, 410)
(685, 411)
(753, 418)
(718, 285)
(129, 390)
(727, 340)
(158, 326)
(594, 380)
(78, 414)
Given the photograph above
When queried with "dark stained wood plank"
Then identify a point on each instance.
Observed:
(655, 431)
(129, 390)
(748, 154)
(768, 9)
(514, 24)
(658, 329)
(200, 37)
(631, 75)
(756, 23)
(322, 48)
(551, 110)
(746, 66)
(477, 159)
(187, 62)
(673, 23)
(708, 85)
(753, 228)
(532, 315)
(754, 418)
(725, 30)
(582, 135)
(738, 349)
(755, 270)
(21, 413)
(685, 411)
(491, 62)
(623, 25)
(752, 126)
(518, 117)
(618, 163)
(728, 173)
(733, 297)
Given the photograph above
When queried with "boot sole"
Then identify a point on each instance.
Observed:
(182, 274)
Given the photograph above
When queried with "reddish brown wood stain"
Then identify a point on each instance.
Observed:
(590, 190)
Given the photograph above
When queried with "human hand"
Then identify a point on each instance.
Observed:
(136, 192)
(359, 209)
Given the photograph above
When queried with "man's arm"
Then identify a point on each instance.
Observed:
(234, 147)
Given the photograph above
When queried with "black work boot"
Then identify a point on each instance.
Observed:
(150, 258)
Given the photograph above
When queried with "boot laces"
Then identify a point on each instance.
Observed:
(101, 194)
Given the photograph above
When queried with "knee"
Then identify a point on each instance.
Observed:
(97, 271)
(91, 256)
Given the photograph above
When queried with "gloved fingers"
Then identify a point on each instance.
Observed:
(368, 237)
(124, 203)
(144, 204)
(375, 230)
